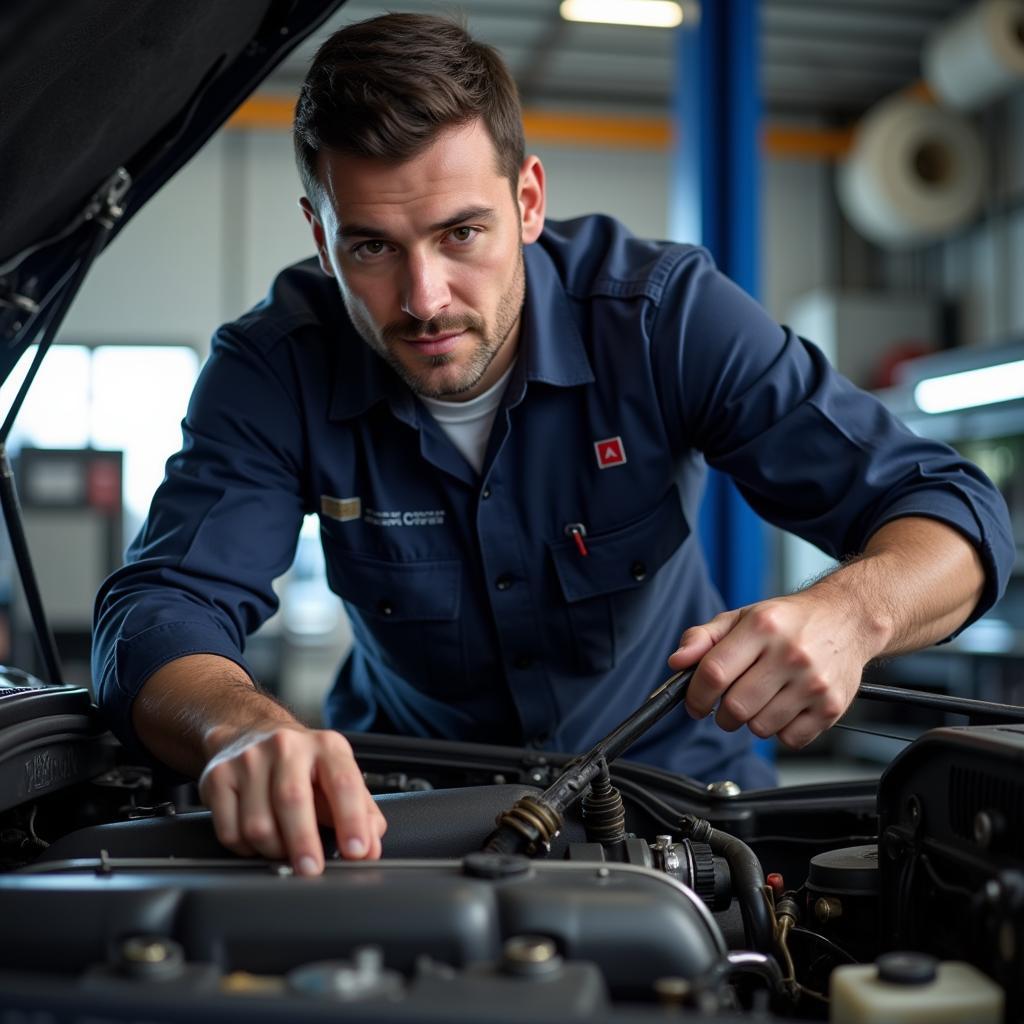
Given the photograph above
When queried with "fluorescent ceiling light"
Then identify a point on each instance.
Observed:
(646, 13)
(985, 386)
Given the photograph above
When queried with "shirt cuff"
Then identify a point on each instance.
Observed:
(951, 509)
(134, 659)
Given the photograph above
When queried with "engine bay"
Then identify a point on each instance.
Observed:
(654, 896)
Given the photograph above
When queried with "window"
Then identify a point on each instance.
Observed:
(127, 397)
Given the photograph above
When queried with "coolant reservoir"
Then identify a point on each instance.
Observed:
(913, 987)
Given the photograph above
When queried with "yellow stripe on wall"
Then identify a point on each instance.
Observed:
(274, 113)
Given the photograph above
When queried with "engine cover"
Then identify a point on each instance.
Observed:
(634, 924)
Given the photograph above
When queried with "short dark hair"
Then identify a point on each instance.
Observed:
(385, 87)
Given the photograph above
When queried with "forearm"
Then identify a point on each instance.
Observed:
(790, 666)
(193, 707)
(916, 582)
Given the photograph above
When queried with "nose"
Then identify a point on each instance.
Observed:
(426, 290)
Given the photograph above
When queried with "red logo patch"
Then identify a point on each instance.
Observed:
(610, 452)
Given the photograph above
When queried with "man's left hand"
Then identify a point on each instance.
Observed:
(789, 666)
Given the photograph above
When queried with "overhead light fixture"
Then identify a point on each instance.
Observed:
(970, 388)
(645, 13)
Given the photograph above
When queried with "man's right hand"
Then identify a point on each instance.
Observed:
(269, 789)
(268, 779)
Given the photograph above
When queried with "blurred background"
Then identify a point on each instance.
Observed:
(859, 167)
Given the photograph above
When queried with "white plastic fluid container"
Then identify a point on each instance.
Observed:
(951, 992)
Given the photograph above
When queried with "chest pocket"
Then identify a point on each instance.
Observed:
(613, 590)
(406, 612)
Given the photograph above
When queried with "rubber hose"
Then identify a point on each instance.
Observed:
(747, 880)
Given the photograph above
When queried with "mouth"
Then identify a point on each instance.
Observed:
(436, 344)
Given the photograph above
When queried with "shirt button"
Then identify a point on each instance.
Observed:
(485, 493)
(524, 661)
(638, 571)
(503, 582)
(385, 608)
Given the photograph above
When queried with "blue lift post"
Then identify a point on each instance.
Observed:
(715, 201)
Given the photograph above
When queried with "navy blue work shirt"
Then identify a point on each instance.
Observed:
(475, 614)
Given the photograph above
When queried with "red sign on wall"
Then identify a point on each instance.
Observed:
(103, 486)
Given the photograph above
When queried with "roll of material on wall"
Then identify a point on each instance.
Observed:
(977, 56)
(915, 172)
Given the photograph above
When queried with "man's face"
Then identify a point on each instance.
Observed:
(428, 256)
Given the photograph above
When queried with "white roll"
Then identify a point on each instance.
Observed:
(978, 56)
(915, 173)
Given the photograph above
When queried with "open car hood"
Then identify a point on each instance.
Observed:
(102, 103)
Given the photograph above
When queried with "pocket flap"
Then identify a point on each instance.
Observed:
(426, 591)
(622, 558)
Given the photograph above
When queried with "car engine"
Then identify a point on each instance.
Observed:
(652, 895)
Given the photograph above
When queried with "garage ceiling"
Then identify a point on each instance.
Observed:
(822, 57)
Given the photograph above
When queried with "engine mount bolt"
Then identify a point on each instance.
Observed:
(724, 788)
(150, 958)
(140, 950)
(988, 827)
(530, 949)
(827, 908)
(914, 811)
(672, 991)
(530, 956)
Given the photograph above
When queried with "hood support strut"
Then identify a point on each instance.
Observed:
(102, 213)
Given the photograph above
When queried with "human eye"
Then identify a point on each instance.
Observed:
(463, 234)
(371, 249)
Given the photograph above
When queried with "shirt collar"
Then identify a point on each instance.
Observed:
(551, 350)
(550, 342)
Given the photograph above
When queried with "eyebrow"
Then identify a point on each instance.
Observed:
(484, 213)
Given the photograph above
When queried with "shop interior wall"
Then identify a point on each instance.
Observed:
(981, 267)
(208, 245)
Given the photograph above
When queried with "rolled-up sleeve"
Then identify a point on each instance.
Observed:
(810, 452)
(223, 525)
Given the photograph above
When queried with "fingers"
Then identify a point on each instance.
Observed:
(257, 821)
(732, 654)
(378, 826)
(698, 640)
(748, 697)
(802, 729)
(265, 789)
(222, 799)
(785, 667)
(291, 798)
(341, 782)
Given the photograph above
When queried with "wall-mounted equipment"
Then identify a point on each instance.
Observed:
(915, 172)
(978, 56)
(71, 502)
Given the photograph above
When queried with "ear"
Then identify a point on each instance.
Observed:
(531, 199)
(319, 235)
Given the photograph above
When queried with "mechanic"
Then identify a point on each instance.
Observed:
(503, 429)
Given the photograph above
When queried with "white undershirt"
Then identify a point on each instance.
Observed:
(468, 424)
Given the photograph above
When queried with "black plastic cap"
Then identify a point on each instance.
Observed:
(907, 968)
(495, 865)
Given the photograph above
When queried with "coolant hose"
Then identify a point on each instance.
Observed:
(747, 879)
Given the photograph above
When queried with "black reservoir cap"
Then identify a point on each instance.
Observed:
(907, 968)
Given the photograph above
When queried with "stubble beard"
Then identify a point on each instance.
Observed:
(492, 341)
